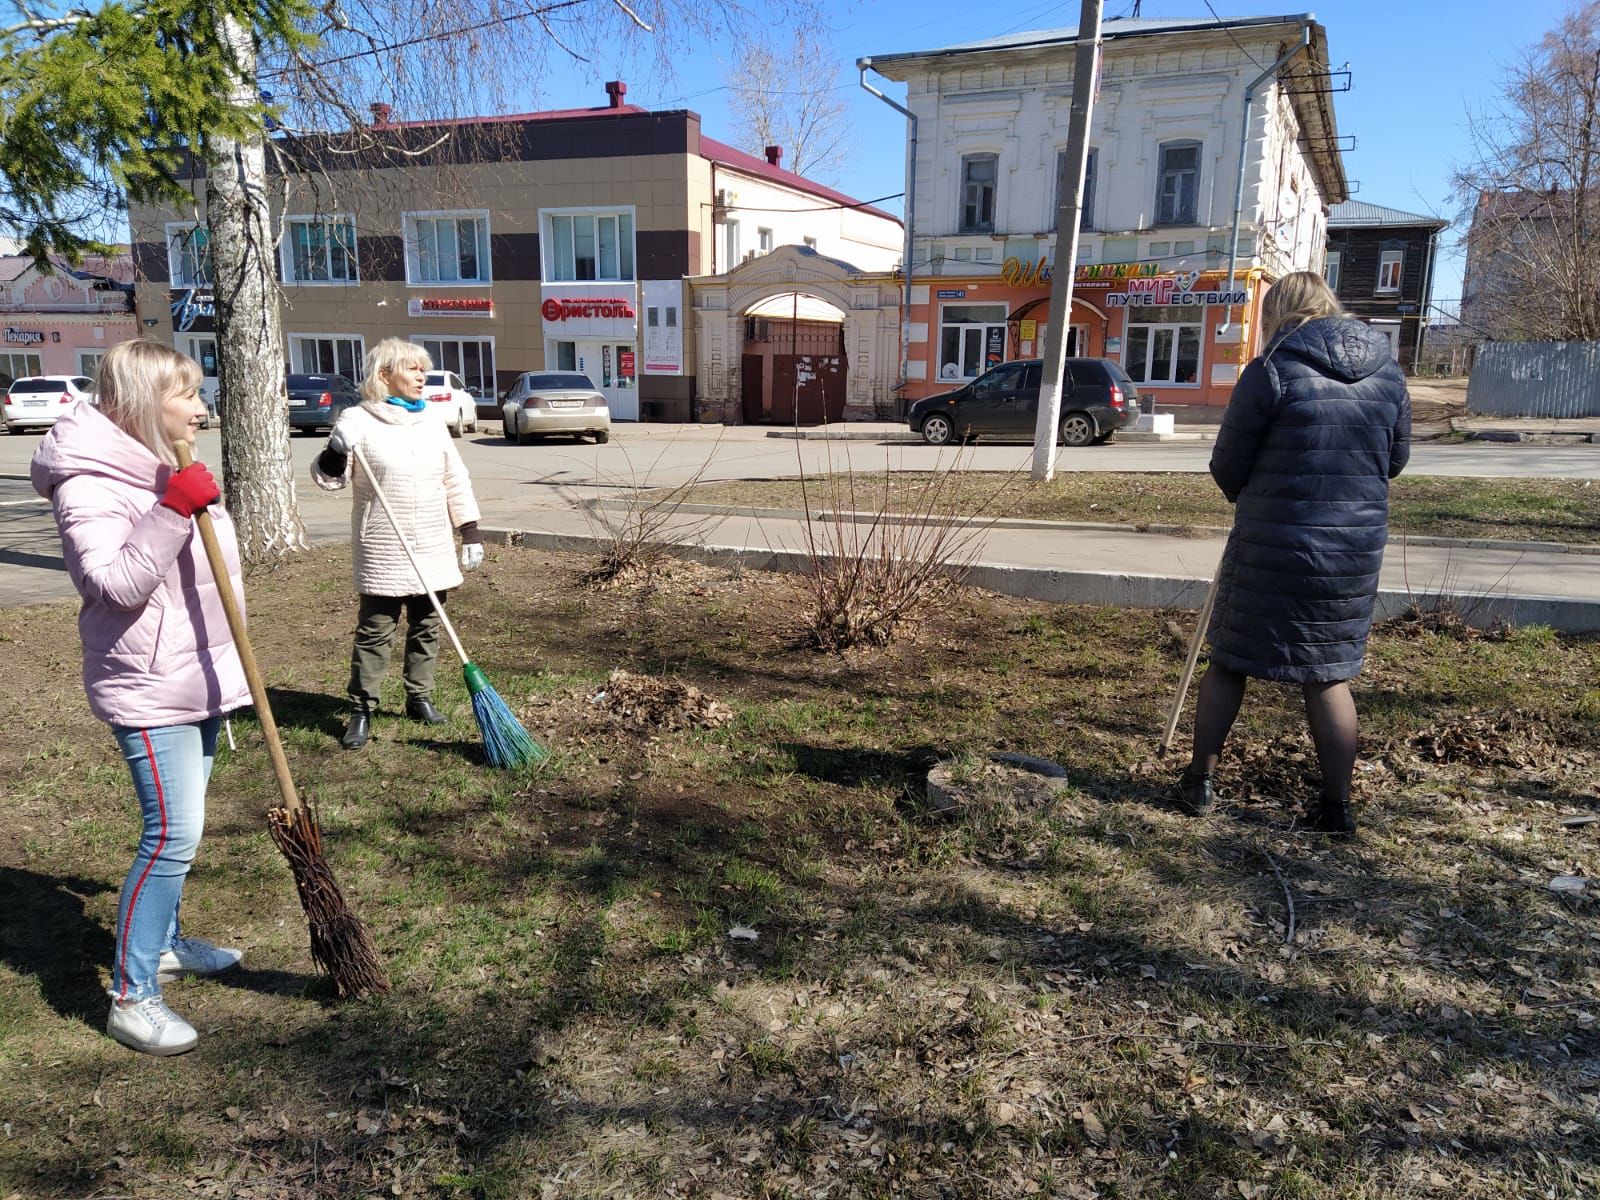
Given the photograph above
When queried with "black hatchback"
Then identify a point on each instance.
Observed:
(315, 401)
(1097, 399)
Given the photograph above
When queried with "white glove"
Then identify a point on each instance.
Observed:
(471, 555)
(339, 441)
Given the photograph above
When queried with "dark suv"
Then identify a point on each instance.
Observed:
(1097, 399)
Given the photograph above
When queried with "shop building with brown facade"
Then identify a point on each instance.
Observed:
(549, 240)
(1194, 121)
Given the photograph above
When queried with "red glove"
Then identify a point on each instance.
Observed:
(190, 490)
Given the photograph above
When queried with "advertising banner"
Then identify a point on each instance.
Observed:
(663, 327)
(589, 310)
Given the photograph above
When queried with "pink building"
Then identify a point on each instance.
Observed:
(61, 323)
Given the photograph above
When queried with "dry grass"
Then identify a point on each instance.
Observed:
(1098, 997)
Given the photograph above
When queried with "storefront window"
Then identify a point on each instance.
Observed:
(972, 338)
(315, 355)
(1166, 350)
(17, 366)
(470, 358)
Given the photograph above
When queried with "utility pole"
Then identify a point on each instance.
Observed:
(1069, 220)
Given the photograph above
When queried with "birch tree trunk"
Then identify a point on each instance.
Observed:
(257, 470)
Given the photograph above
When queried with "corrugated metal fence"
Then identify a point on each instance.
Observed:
(1536, 379)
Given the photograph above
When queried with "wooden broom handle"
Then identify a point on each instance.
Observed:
(411, 557)
(241, 642)
(1188, 666)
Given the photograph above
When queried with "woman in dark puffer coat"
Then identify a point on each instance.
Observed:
(1315, 429)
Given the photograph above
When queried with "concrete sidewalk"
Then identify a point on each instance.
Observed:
(1520, 583)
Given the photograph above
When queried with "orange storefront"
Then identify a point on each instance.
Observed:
(1181, 335)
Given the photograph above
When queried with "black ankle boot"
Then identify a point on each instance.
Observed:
(1334, 816)
(359, 730)
(422, 709)
(1194, 793)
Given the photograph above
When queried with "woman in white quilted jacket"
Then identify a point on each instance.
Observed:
(420, 471)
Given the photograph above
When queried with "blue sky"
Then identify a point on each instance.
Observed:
(1418, 67)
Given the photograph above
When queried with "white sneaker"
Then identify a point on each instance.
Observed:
(150, 1027)
(192, 956)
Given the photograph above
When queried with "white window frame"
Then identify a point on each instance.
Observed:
(1330, 270)
(176, 230)
(625, 247)
(1387, 259)
(297, 364)
(1162, 149)
(414, 277)
(328, 221)
(983, 326)
(978, 225)
(1176, 326)
(730, 234)
(27, 357)
(419, 339)
(97, 355)
(1087, 199)
(764, 242)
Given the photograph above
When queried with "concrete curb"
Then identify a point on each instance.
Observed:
(906, 437)
(1107, 589)
(1167, 530)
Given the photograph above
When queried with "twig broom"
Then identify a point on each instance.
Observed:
(505, 741)
(340, 943)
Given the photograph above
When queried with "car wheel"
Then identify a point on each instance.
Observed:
(938, 429)
(601, 437)
(1077, 429)
(455, 430)
(507, 431)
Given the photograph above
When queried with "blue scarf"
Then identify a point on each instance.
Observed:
(412, 406)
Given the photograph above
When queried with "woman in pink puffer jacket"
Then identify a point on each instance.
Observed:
(159, 663)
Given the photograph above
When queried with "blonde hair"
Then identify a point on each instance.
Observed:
(389, 355)
(134, 380)
(1295, 299)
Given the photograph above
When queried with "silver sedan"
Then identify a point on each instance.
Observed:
(554, 402)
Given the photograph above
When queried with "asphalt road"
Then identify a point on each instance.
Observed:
(514, 483)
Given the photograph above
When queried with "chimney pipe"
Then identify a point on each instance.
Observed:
(380, 115)
(775, 155)
(616, 90)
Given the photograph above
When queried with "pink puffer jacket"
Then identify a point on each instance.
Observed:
(156, 645)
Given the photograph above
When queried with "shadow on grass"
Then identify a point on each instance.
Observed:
(47, 934)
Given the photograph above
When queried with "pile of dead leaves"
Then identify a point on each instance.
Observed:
(1506, 738)
(647, 704)
(1444, 619)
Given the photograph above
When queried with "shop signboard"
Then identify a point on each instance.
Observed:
(663, 327)
(625, 363)
(194, 310)
(24, 337)
(1014, 272)
(599, 310)
(1171, 290)
(450, 306)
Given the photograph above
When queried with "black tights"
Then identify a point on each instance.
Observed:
(1330, 711)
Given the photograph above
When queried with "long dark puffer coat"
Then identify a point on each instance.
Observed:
(1314, 431)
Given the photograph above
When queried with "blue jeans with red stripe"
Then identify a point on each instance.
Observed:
(171, 765)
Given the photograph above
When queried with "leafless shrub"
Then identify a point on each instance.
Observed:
(641, 523)
(872, 564)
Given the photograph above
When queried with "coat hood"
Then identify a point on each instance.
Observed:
(1342, 347)
(83, 441)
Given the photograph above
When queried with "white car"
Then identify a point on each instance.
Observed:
(35, 401)
(457, 405)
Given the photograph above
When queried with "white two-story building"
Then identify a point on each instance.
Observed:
(1169, 125)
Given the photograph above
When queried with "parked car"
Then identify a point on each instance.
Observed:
(315, 401)
(456, 404)
(545, 402)
(1097, 399)
(35, 401)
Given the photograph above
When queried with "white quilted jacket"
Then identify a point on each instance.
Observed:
(426, 483)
